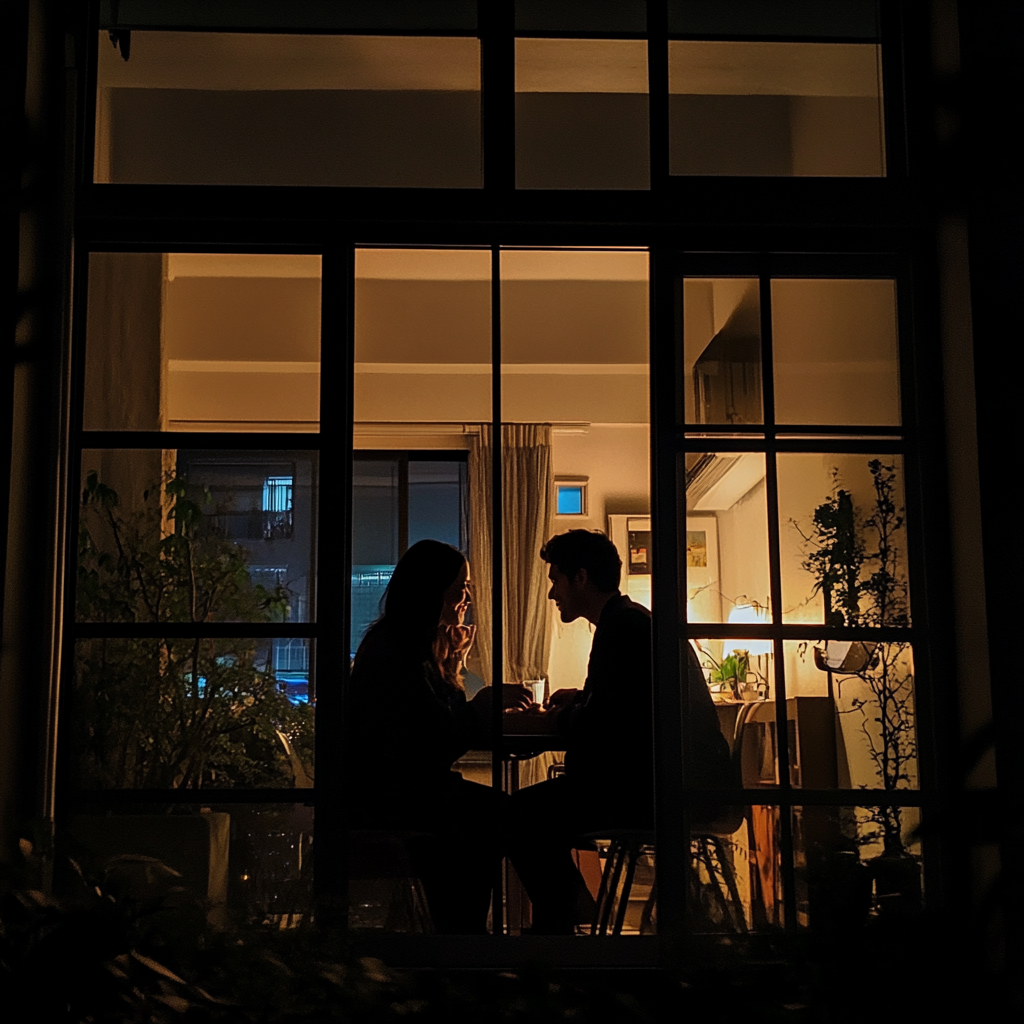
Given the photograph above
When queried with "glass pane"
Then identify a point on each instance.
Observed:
(835, 352)
(248, 864)
(231, 108)
(423, 344)
(375, 541)
(582, 114)
(853, 704)
(722, 350)
(726, 537)
(575, 398)
(417, 860)
(788, 19)
(856, 866)
(734, 873)
(572, 16)
(398, 501)
(752, 108)
(196, 536)
(202, 341)
(191, 713)
(843, 540)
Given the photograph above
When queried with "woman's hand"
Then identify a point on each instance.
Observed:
(460, 640)
(513, 695)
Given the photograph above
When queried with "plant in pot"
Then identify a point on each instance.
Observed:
(855, 557)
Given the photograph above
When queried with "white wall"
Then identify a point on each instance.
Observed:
(616, 460)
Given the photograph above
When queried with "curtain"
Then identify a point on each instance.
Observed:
(527, 491)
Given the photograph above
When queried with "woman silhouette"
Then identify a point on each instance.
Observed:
(409, 720)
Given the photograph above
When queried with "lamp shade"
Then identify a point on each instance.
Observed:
(751, 614)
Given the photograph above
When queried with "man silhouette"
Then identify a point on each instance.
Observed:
(607, 726)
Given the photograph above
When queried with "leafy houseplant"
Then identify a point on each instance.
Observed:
(855, 559)
(170, 711)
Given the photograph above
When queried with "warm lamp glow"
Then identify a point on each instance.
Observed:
(753, 614)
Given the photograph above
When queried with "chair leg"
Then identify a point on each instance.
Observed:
(713, 877)
(632, 855)
(648, 925)
(729, 877)
(609, 887)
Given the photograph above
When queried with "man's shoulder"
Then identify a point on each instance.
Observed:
(624, 616)
(625, 609)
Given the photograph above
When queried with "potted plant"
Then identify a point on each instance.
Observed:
(855, 557)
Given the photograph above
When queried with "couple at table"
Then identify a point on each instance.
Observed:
(410, 720)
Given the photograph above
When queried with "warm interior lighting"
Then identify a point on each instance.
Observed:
(747, 614)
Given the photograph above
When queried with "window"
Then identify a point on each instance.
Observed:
(399, 498)
(570, 498)
(797, 563)
(576, 339)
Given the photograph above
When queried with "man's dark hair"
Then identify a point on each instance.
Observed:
(585, 549)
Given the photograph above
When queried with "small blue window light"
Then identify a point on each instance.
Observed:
(571, 499)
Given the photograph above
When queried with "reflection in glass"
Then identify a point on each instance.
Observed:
(249, 864)
(582, 115)
(202, 341)
(722, 350)
(232, 108)
(774, 108)
(196, 536)
(185, 713)
(834, 350)
(846, 875)
(726, 542)
(842, 540)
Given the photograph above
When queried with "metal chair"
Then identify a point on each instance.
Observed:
(629, 848)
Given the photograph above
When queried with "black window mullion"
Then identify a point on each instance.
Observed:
(775, 584)
(188, 630)
(187, 439)
(89, 57)
(672, 813)
(403, 503)
(497, 564)
(333, 561)
(781, 710)
(59, 768)
(496, 19)
(658, 94)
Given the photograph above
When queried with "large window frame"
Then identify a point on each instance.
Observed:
(866, 221)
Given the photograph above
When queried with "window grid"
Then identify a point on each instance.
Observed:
(772, 440)
(147, 229)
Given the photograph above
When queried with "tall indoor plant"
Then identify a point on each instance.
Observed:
(856, 558)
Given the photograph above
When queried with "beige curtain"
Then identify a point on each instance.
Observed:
(527, 487)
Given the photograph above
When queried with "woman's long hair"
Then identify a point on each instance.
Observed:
(414, 600)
